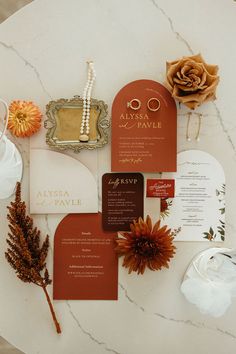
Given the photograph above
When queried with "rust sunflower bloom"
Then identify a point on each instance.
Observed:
(24, 118)
(146, 246)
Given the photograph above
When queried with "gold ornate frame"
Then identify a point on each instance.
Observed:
(50, 124)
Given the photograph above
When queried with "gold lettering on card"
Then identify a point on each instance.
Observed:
(138, 120)
(57, 198)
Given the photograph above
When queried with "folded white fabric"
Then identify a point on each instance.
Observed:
(10, 167)
(210, 281)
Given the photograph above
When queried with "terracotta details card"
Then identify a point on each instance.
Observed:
(144, 128)
(85, 263)
(161, 188)
(122, 200)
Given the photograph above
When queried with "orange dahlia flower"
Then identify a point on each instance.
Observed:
(146, 246)
(24, 118)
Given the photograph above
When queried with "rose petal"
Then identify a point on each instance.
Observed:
(173, 69)
(212, 87)
(212, 69)
(182, 82)
(211, 78)
(197, 58)
(187, 88)
(204, 77)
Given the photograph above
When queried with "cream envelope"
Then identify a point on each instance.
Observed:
(60, 184)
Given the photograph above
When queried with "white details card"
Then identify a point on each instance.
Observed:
(199, 203)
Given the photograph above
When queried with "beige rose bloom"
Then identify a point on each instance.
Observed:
(191, 81)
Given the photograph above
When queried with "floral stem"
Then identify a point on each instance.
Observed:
(57, 324)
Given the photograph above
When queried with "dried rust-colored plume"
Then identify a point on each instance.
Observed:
(25, 254)
(146, 246)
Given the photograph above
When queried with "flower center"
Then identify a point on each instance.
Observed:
(145, 247)
(21, 117)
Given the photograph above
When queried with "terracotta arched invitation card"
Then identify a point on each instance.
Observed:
(142, 139)
(85, 263)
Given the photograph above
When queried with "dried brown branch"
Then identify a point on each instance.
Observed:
(24, 253)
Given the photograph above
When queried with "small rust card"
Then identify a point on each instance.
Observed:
(161, 188)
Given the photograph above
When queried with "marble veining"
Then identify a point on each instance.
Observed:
(178, 36)
(221, 120)
(27, 63)
(182, 39)
(186, 322)
(88, 319)
(87, 333)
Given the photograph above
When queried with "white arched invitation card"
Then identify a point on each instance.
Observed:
(198, 207)
(60, 184)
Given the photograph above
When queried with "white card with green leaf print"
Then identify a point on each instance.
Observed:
(199, 203)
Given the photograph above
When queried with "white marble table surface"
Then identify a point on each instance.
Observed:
(43, 49)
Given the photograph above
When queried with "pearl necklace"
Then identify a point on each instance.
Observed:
(84, 127)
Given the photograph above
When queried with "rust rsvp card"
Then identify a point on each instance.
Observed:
(122, 200)
(85, 263)
(142, 139)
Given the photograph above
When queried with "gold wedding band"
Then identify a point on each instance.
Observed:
(157, 104)
(134, 104)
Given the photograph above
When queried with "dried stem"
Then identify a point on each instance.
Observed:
(57, 324)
